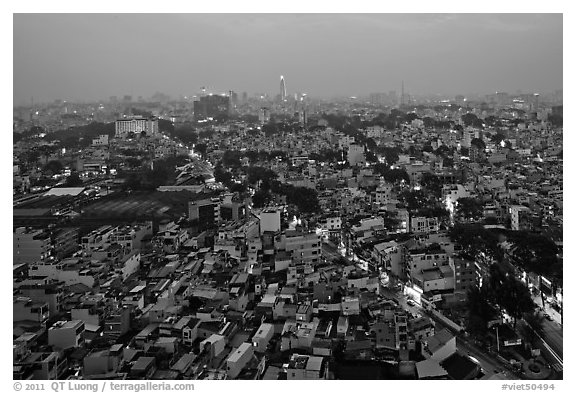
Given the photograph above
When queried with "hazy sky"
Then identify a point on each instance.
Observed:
(94, 56)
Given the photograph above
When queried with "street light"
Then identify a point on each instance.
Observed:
(496, 323)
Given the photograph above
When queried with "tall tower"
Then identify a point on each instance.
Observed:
(282, 88)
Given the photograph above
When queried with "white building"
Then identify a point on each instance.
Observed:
(374, 132)
(305, 248)
(388, 255)
(238, 359)
(70, 271)
(519, 216)
(304, 367)
(130, 264)
(345, 141)
(270, 220)
(136, 125)
(384, 194)
(350, 305)
(356, 155)
(262, 337)
(333, 223)
(102, 140)
(424, 224)
(215, 344)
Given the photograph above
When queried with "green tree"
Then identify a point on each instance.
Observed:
(390, 154)
(371, 157)
(54, 166)
(470, 208)
(432, 184)
(206, 134)
(479, 143)
(471, 119)
(533, 326)
(201, 148)
(231, 159)
(428, 122)
(474, 240)
(261, 198)
(73, 180)
(480, 311)
(413, 199)
(515, 298)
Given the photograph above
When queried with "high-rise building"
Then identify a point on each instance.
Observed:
(282, 88)
(233, 98)
(212, 105)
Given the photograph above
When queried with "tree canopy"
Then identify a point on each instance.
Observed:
(470, 209)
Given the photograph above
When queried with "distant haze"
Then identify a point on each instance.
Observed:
(94, 56)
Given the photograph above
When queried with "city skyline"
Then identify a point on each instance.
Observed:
(365, 53)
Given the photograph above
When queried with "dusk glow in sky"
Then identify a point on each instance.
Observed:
(94, 56)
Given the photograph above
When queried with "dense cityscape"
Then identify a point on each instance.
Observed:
(283, 236)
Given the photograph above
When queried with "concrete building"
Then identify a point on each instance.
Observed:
(45, 291)
(520, 218)
(424, 225)
(65, 242)
(103, 362)
(389, 256)
(374, 132)
(136, 125)
(238, 359)
(269, 220)
(304, 367)
(356, 155)
(465, 273)
(70, 271)
(31, 246)
(66, 334)
(41, 365)
(117, 323)
(214, 344)
(384, 194)
(305, 248)
(206, 211)
(98, 237)
(25, 309)
(102, 140)
(130, 236)
(439, 346)
(435, 278)
(262, 337)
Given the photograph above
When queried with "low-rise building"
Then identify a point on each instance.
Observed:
(66, 334)
(304, 367)
(238, 359)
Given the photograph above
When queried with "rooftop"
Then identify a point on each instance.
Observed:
(237, 354)
(438, 340)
